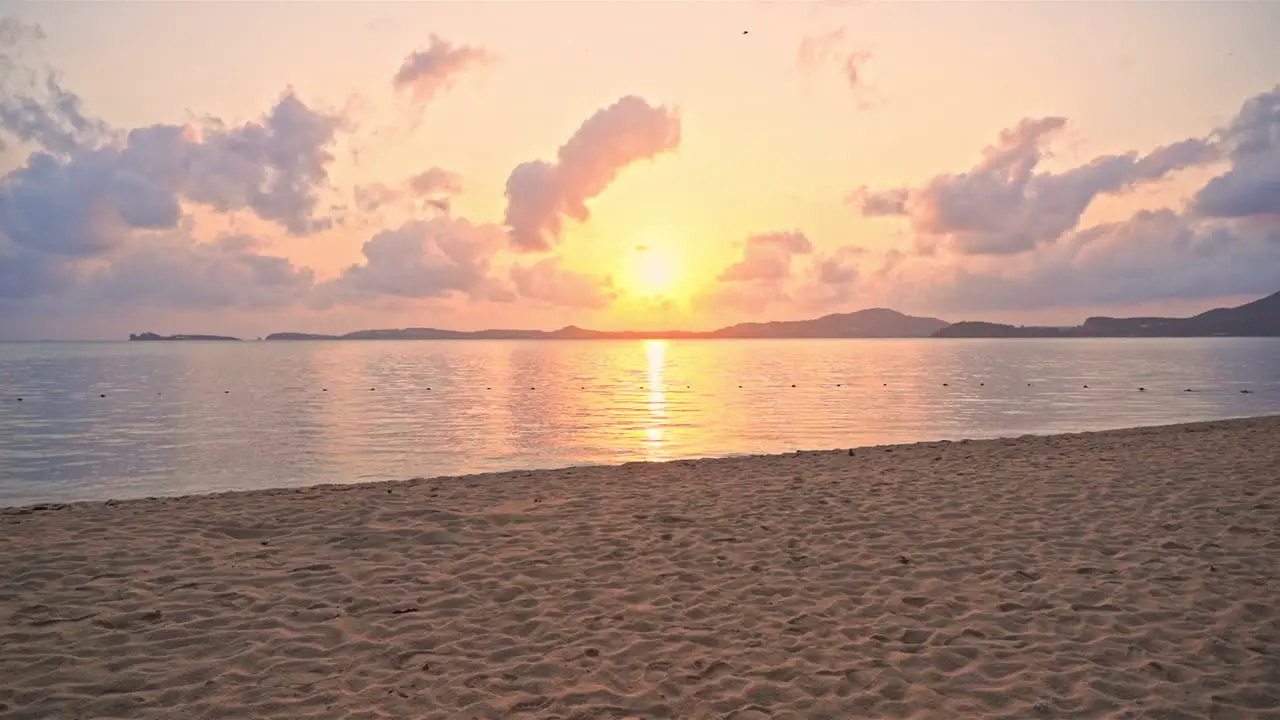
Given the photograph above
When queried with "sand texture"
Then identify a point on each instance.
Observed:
(1127, 574)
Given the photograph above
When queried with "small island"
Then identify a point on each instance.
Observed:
(153, 337)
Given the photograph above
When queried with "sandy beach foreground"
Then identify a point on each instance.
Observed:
(1127, 574)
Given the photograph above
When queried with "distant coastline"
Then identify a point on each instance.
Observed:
(152, 337)
(1260, 318)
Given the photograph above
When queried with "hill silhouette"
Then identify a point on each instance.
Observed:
(1260, 318)
(870, 323)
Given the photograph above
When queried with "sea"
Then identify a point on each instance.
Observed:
(95, 421)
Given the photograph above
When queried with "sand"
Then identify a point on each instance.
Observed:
(1127, 574)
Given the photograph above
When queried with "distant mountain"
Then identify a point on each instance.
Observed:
(872, 323)
(152, 337)
(1260, 318)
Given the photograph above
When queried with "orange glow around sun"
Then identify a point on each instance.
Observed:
(655, 272)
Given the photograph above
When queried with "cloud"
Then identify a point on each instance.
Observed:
(176, 272)
(34, 107)
(1251, 186)
(433, 258)
(372, 197)
(546, 281)
(760, 279)
(833, 278)
(817, 51)
(1154, 256)
(86, 206)
(1003, 206)
(273, 167)
(541, 194)
(14, 32)
(429, 185)
(830, 49)
(427, 73)
(163, 269)
(852, 67)
(434, 181)
(88, 200)
(767, 256)
(26, 274)
(749, 297)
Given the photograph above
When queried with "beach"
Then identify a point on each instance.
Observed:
(1118, 574)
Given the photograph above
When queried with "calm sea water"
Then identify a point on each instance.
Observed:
(181, 418)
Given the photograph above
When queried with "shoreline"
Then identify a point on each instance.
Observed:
(1117, 573)
(41, 506)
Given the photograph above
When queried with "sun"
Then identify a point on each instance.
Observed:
(655, 271)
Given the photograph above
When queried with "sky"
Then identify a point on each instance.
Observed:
(247, 168)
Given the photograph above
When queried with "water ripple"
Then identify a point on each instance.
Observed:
(191, 417)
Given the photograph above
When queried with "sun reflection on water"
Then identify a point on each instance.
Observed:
(656, 428)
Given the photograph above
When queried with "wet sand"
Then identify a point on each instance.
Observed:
(1125, 574)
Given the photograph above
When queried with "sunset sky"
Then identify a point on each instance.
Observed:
(247, 168)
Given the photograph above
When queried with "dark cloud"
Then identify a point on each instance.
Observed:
(1003, 206)
(546, 281)
(767, 256)
(422, 259)
(541, 194)
(427, 73)
(1251, 186)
